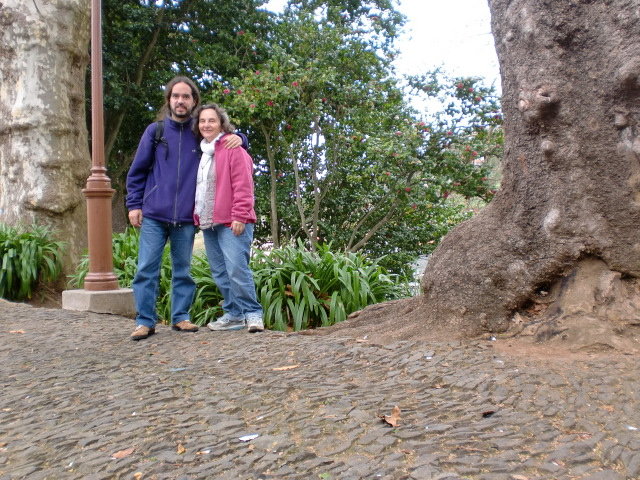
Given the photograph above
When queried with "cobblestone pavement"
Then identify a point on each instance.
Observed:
(76, 392)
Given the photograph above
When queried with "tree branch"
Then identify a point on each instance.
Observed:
(383, 221)
(116, 124)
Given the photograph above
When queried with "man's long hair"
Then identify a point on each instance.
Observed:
(195, 93)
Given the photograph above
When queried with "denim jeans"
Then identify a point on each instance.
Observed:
(228, 257)
(153, 238)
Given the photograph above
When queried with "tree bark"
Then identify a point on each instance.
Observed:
(273, 197)
(44, 154)
(569, 206)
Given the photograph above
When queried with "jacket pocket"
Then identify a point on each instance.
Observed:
(146, 195)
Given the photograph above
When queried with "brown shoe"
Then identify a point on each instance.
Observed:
(141, 332)
(185, 326)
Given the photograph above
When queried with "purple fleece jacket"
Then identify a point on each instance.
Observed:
(162, 179)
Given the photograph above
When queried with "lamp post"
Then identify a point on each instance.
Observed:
(98, 191)
(101, 293)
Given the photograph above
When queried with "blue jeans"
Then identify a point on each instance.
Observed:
(153, 238)
(228, 257)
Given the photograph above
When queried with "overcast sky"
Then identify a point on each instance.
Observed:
(455, 34)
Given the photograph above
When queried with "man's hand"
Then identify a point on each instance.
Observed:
(135, 217)
(232, 141)
(237, 227)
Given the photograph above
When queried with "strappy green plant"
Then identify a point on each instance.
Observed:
(28, 256)
(300, 289)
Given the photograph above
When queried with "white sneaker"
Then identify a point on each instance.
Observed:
(227, 322)
(254, 322)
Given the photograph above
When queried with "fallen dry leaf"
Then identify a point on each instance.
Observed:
(180, 450)
(123, 453)
(16, 331)
(287, 367)
(394, 418)
(137, 476)
(519, 477)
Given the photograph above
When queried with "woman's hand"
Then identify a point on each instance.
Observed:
(237, 228)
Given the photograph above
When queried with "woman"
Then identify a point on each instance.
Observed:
(224, 211)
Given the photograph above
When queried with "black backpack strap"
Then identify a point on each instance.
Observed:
(157, 138)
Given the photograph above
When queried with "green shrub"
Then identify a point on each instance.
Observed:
(299, 289)
(207, 302)
(29, 256)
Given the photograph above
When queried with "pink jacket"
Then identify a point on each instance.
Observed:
(234, 186)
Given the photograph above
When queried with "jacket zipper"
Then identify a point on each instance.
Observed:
(175, 202)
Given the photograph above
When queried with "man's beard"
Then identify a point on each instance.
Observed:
(175, 114)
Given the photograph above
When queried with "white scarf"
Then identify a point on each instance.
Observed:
(205, 186)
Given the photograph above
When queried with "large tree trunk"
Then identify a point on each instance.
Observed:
(44, 155)
(556, 255)
(559, 244)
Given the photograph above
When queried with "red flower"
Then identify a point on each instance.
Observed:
(470, 89)
(445, 194)
(239, 92)
(407, 189)
(398, 133)
(294, 84)
(278, 78)
(226, 91)
(414, 206)
(324, 100)
(253, 105)
(387, 173)
(270, 103)
(460, 85)
(257, 72)
(288, 127)
(241, 32)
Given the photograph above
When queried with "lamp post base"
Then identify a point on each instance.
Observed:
(115, 302)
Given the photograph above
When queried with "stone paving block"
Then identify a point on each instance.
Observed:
(605, 475)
